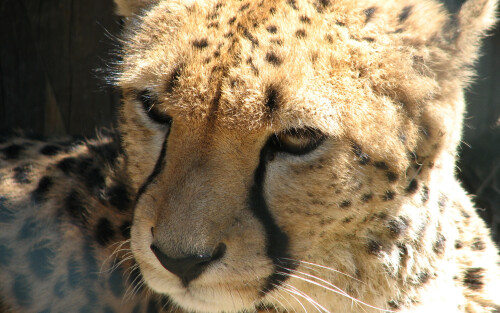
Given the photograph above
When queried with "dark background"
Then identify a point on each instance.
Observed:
(55, 56)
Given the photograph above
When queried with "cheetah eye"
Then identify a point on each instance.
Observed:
(297, 141)
(150, 105)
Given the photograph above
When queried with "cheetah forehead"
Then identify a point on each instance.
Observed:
(283, 64)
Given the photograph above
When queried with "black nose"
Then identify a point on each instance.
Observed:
(189, 267)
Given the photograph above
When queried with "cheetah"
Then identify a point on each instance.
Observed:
(271, 156)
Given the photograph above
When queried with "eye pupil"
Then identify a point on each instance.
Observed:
(150, 104)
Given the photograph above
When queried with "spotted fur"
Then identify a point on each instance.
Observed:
(271, 155)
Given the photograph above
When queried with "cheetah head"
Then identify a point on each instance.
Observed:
(282, 151)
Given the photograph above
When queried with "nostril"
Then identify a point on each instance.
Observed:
(189, 267)
(219, 252)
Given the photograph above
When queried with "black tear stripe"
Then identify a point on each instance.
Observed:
(160, 164)
(277, 244)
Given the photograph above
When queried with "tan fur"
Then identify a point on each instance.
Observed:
(374, 218)
(383, 79)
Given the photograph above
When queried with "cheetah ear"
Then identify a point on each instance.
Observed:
(130, 7)
(468, 26)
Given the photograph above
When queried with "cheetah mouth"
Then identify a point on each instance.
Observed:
(233, 296)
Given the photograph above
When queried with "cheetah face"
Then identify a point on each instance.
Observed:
(273, 145)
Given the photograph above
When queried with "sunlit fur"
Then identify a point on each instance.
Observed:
(375, 218)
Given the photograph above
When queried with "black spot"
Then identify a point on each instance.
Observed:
(67, 165)
(41, 258)
(21, 289)
(412, 186)
(231, 20)
(439, 244)
(425, 193)
(44, 185)
(274, 59)
(272, 10)
(173, 80)
(213, 25)
(478, 244)
(367, 197)
(244, 7)
(74, 273)
(389, 195)
(300, 33)
(391, 176)
(345, 204)
(369, 13)
(305, 19)
(473, 278)
(50, 150)
(107, 151)
(293, 4)
(423, 277)
(12, 152)
(248, 35)
(104, 231)
(374, 247)
(5, 255)
(119, 197)
(398, 226)
(323, 3)
(21, 174)
(272, 29)
(29, 230)
(116, 282)
(200, 43)
(381, 165)
(125, 229)
(276, 41)
(94, 180)
(405, 13)
(273, 98)
(6, 214)
(362, 157)
(347, 220)
(60, 287)
(75, 207)
(458, 245)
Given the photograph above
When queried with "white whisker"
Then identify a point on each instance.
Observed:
(313, 302)
(341, 292)
(324, 267)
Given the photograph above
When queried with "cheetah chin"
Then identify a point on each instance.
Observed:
(271, 156)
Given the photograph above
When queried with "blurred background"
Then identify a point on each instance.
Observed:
(55, 56)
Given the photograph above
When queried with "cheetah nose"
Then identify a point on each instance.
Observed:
(190, 267)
